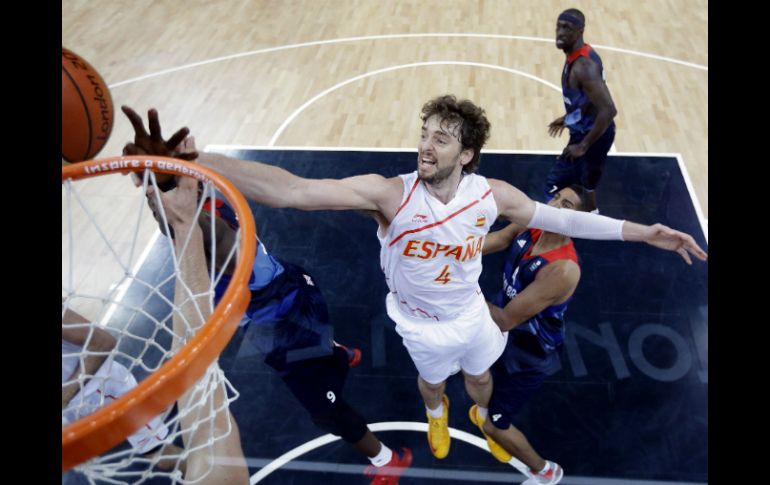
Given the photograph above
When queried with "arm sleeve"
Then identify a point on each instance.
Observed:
(574, 223)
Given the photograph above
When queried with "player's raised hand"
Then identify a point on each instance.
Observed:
(152, 143)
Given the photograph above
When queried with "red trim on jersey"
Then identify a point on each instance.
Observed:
(426, 313)
(406, 201)
(416, 309)
(411, 231)
(107, 396)
(217, 205)
(582, 52)
(535, 236)
(566, 251)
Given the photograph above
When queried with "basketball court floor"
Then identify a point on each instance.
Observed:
(291, 82)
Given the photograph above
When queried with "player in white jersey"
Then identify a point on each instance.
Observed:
(431, 256)
(448, 154)
(92, 379)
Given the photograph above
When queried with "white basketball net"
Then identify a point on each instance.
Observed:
(118, 289)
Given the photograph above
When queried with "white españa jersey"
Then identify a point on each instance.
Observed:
(431, 254)
(111, 381)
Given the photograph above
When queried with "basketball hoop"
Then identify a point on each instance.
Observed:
(181, 368)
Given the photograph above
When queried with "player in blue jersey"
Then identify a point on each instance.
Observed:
(215, 455)
(540, 274)
(293, 332)
(590, 112)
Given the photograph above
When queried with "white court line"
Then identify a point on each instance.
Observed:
(309, 148)
(127, 282)
(691, 188)
(375, 427)
(391, 36)
(361, 149)
(411, 149)
(323, 93)
(682, 167)
(434, 473)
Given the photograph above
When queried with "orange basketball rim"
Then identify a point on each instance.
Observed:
(98, 432)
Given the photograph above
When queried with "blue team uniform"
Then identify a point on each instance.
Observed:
(531, 352)
(579, 119)
(290, 326)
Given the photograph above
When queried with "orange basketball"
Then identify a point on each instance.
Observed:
(86, 109)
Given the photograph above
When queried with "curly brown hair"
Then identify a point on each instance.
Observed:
(473, 123)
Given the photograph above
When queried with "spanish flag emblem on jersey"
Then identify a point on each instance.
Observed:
(480, 221)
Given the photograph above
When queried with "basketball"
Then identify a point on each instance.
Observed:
(86, 109)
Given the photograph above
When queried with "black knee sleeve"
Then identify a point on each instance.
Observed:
(342, 421)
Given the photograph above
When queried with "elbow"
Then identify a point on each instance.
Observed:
(488, 249)
(606, 111)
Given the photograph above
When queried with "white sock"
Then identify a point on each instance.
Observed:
(383, 457)
(482, 412)
(436, 413)
(545, 468)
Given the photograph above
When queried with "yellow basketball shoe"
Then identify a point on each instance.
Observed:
(438, 431)
(496, 450)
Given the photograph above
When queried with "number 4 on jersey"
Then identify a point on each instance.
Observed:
(443, 278)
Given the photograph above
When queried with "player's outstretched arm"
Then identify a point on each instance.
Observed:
(515, 206)
(553, 285)
(267, 184)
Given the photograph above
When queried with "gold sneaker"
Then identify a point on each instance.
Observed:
(496, 450)
(438, 431)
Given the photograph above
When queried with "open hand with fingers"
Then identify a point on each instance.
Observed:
(152, 143)
(574, 151)
(664, 237)
(556, 126)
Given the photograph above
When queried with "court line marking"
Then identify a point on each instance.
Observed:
(374, 427)
(392, 36)
(214, 146)
(691, 188)
(436, 473)
(126, 283)
(680, 161)
(323, 93)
